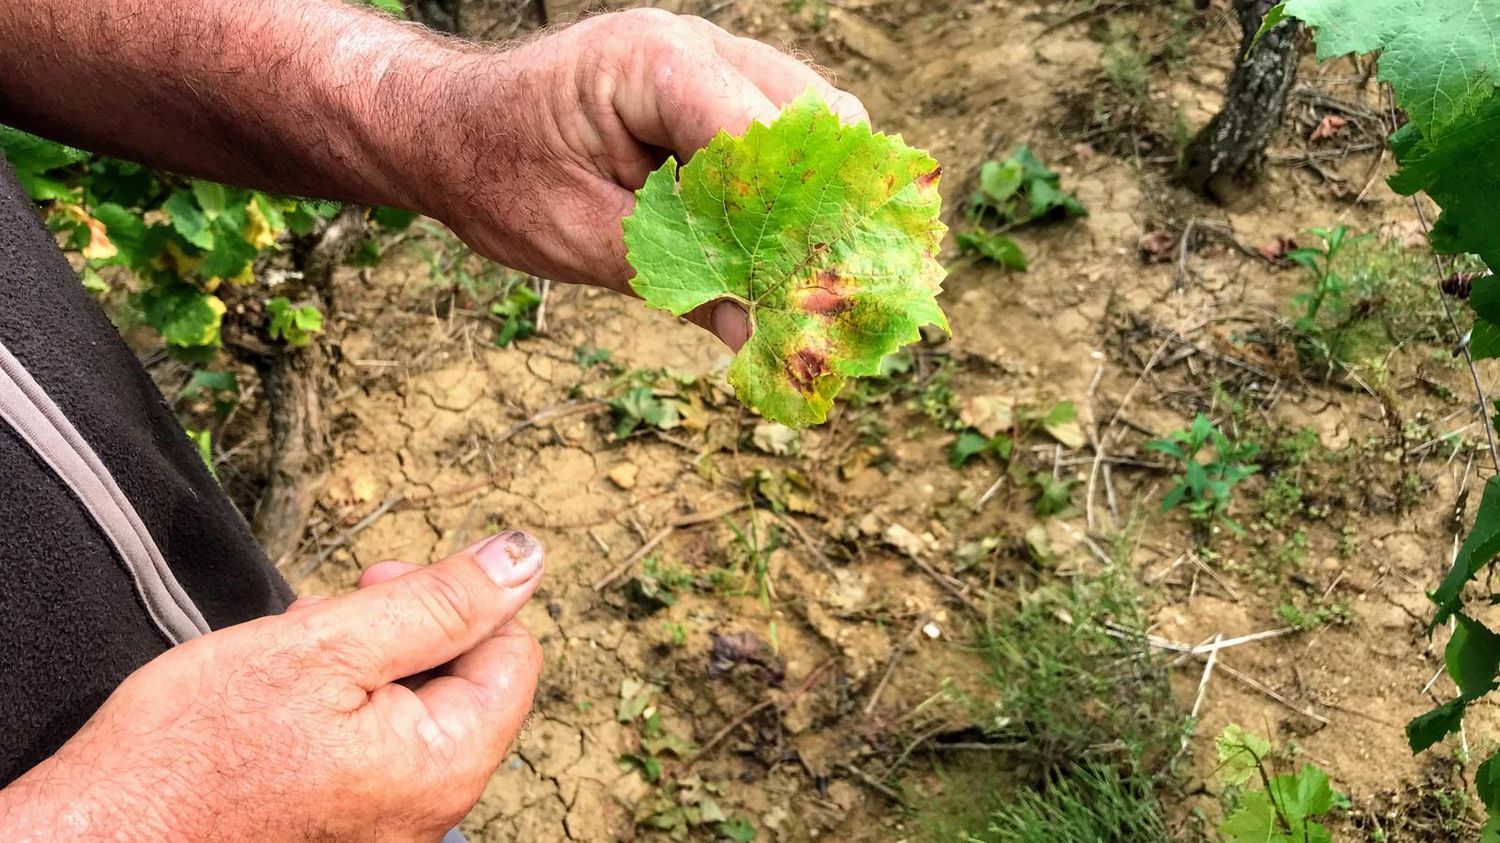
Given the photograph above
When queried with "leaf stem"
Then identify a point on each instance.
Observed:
(1442, 270)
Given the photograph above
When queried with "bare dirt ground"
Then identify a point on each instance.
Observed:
(783, 652)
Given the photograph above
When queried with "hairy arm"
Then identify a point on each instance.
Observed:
(310, 97)
(530, 152)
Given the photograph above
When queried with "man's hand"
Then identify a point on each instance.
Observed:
(531, 153)
(546, 143)
(376, 714)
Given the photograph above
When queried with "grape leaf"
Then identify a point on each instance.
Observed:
(185, 316)
(1441, 56)
(826, 233)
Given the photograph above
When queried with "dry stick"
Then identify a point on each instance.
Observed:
(1130, 393)
(942, 580)
(1214, 575)
(1208, 671)
(876, 785)
(1174, 646)
(890, 668)
(1253, 683)
(661, 535)
(1179, 285)
(1093, 431)
(807, 540)
(911, 747)
(548, 414)
(990, 492)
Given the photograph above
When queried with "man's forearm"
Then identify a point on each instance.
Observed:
(308, 97)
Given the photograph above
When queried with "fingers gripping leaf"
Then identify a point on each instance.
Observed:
(826, 233)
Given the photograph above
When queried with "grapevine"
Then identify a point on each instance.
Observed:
(1442, 61)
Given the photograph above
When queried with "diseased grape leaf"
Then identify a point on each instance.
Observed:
(827, 234)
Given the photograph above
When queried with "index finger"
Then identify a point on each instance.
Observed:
(780, 76)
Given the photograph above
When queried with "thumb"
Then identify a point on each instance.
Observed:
(429, 617)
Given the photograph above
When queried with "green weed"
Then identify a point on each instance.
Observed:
(1285, 808)
(1084, 771)
(1292, 614)
(1206, 490)
(1012, 193)
(1095, 803)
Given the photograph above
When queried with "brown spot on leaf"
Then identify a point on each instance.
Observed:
(827, 299)
(807, 175)
(821, 302)
(929, 179)
(803, 368)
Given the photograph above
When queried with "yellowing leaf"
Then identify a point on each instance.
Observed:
(99, 246)
(258, 231)
(826, 233)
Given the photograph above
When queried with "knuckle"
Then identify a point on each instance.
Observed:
(448, 600)
(645, 16)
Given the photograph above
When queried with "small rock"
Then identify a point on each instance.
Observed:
(624, 474)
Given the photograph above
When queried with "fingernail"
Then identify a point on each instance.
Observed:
(731, 323)
(511, 558)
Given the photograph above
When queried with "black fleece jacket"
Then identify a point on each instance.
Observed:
(72, 624)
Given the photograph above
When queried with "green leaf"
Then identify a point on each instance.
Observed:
(205, 380)
(968, 445)
(37, 155)
(231, 253)
(738, 829)
(1478, 550)
(1491, 831)
(1057, 494)
(1487, 783)
(826, 233)
(995, 247)
(293, 324)
(212, 198)
(185, 316)
(1473, 657)
(203, 441)
(649, 766)
(1254, 821)
(1061, 423)
(126, 230)
(1441, 56)
(1427, 729)
(188, 219)
(1240, 754)
(1000, 181)
(1304, 795)
(392, 219)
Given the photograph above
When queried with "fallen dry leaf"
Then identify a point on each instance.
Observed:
(1331, 126)
(991, 415)
(1276, 250)
(735, 648)
(1158, 246)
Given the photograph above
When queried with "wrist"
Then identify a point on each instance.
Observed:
(51, 802)
(392, 91)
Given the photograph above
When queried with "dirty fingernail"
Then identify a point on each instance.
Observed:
(731, 323)
(511, 558)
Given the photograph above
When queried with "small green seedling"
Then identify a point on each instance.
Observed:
(1205, 490)
(1012, 193)
(1285, 808)
(1328, 286)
